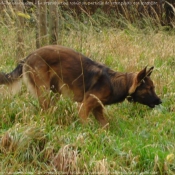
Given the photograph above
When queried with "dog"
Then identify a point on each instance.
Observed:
(64, 71)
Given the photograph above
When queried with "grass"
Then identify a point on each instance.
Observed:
(139, 140)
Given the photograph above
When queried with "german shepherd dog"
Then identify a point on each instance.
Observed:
(65, 71)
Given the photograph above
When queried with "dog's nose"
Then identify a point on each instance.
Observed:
(159, 101)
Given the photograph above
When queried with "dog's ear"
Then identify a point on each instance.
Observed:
(139, 77)
(149, 72)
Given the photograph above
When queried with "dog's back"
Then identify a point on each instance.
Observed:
(61, 70)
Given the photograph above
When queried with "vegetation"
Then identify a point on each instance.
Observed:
(139, 140)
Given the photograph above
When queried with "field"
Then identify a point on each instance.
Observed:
(139, 140)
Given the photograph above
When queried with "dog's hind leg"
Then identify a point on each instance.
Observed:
(43, 94)
(42, 86)
(38, 83)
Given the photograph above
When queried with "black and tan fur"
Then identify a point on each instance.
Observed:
(66, 71)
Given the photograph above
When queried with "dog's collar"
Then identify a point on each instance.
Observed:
(130, 98)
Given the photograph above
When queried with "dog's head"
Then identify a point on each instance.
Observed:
(143, 89)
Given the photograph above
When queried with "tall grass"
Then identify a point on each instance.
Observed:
(138, 141)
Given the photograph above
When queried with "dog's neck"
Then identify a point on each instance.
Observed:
(124, 80)
(121, 84)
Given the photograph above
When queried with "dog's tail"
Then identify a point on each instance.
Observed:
(13, 79)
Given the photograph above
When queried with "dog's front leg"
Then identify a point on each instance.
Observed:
(84, 111)
(99, 115)
(91, 103)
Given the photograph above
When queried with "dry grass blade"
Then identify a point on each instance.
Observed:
(101, 167)
(66, 160)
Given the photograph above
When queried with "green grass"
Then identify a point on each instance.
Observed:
(139, 140)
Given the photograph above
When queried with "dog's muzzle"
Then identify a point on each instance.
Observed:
(156, 102)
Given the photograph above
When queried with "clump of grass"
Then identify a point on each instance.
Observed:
(23, 144)
(66, 160)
